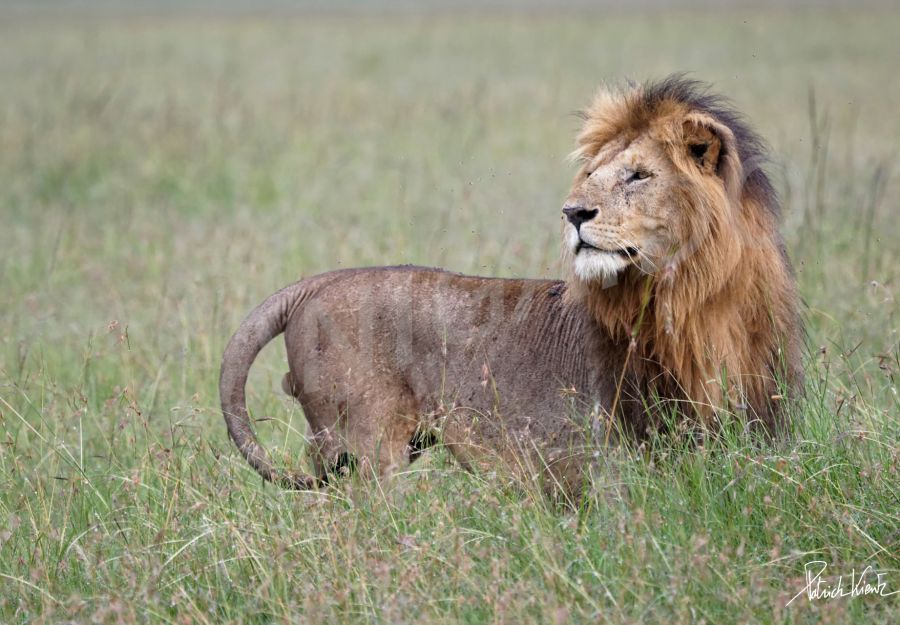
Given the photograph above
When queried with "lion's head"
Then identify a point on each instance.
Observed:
(671, 239)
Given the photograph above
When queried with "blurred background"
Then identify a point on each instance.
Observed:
(167, 165)
(164, 166)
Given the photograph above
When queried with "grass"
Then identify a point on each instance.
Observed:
(159, 176)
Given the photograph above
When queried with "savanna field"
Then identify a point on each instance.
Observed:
(161, 174)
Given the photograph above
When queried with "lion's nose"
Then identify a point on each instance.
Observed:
(577, 215)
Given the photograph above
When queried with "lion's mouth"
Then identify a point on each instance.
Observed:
(625, 252)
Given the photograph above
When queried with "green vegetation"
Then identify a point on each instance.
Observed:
(161, 176)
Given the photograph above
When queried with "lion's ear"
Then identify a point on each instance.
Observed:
(711, 146)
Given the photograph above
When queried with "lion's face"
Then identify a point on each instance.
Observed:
(669, 187)
(642, 197)
(622, 209)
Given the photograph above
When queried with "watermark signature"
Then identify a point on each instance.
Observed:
(818, 586)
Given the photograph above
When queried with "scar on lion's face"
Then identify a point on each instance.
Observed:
(630, 201)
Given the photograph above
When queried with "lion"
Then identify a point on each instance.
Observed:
(678, 296)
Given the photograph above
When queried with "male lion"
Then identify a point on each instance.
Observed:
(679, 293)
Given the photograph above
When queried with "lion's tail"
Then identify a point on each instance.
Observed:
(264, 323)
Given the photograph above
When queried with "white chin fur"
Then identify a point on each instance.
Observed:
(572, 238)
(595, 266)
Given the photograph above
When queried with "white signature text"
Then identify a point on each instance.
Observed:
(868, 582)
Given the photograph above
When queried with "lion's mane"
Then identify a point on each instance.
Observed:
(718, 324)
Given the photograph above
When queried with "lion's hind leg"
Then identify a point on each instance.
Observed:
(327, 446)
(357, 433)
(384, 436)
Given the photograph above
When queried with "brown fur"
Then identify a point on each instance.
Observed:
(696, 287)
(722, 308)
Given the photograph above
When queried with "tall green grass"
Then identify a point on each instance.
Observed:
(160, 176)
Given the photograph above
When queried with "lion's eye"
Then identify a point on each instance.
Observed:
(638, 174)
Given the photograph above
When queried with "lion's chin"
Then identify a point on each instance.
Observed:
(599, 266)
